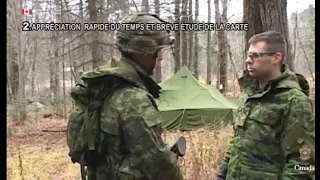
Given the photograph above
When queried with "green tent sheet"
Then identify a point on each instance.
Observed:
(187, 104)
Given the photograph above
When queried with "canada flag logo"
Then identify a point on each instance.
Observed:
(26, 11)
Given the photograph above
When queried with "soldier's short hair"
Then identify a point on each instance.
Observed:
(274, 40)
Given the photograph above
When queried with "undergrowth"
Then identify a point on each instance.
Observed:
(45, 156)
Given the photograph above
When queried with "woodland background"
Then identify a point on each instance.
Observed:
(42, 66)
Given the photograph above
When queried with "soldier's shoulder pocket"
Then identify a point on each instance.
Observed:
(151, 115)
(152, 118)
(298, 136)
(241, 115)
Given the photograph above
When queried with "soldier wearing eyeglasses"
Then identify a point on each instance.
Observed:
(276, 120)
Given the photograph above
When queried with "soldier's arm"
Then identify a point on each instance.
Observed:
(298, 131)
(223, 170)
(141, 126)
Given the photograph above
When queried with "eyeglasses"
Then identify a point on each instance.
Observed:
(256, 55)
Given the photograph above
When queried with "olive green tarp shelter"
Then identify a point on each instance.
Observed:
(187, 104)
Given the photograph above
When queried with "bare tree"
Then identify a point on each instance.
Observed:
(209, 54)
(184, 41)
(196, 42)
(222, 46)
(22, 62)
(16, 61)
(268, 15)
(34, 59)
(177, 36)
(81, 10)
(145, 6)
(306, 58)
(63, 66)
(191, 46)
(157, 73)
(94, 45)
(295, 31)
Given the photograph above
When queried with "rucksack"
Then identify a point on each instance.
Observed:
(83, 132)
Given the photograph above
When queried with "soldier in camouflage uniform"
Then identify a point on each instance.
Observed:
(130, 119)
(274, 129)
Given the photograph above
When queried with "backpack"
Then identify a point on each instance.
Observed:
(83, 131)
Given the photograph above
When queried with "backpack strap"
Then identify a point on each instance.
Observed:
(88, 129)
(96, 104)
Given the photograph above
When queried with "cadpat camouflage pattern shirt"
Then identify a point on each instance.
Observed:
(273, 132)
(132, 128)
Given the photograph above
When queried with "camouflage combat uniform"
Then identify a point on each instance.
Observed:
(271, 130)
(130, 120)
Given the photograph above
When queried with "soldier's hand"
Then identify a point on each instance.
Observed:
(220, 176)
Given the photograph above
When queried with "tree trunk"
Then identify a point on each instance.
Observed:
(268, 15)
(34, 57)
(95, 49)
(73, 72)
(102, 17)
(209, 60)
(56, 72)
(51, 66)
(82, 60)
(145, 6)
(13, 62)
(21, 108)
(21, 61)
(295, 37)
(51, 69)
(14, 73)
(56, 46)
(222, 46)
(63, 69)
(23, 72)
(251, 14)
(109, 8)
(157, 72)
(184, 41)
(196, 42)
(177, 37)
(191, 46)
(33, 68)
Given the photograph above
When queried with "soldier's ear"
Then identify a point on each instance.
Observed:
(277, 58)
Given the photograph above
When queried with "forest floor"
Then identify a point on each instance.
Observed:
(36, 155)
(33, 154)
